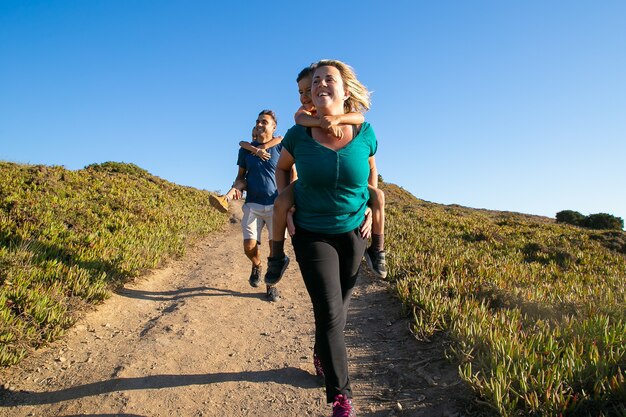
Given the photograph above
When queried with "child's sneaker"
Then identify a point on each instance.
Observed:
(342, 407)
(272, 294)
(219, 202)
(276, 267)
(376, 262)
(317, 363)
(255, 276)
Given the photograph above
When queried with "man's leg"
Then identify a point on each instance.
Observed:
(249, 227)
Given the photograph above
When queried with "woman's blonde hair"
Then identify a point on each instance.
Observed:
(359, 99)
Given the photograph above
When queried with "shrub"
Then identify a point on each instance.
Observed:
(570, 217)
(603, 221)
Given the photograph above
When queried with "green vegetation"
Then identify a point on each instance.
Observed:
(67, 237)
(536, 310)
(599, 221)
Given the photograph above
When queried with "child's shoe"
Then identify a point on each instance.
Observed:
(276, 267)
(342, 407)
(272, 294)
(219, 202)
(376, 262)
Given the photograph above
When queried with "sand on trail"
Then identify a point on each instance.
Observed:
(194, 339)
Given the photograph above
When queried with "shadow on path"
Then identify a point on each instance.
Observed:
(287, 376)
(184, 293)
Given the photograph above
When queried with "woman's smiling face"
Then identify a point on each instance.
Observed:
(327, 89)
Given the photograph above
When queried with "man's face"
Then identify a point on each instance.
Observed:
(265, 127)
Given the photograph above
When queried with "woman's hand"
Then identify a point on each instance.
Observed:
(366, 227)
(291, 227)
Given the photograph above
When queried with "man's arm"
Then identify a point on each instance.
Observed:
(236, 190)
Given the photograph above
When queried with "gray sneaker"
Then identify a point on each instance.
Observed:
(272, 294)
(255, 276)
(376, 262)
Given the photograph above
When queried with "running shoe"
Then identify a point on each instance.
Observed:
(342, 407)
(255, 276)
(376, 262)
(275, 269)
(219, 202)
(272, 294)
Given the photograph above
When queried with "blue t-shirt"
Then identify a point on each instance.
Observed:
(331, 192)
(260, 175)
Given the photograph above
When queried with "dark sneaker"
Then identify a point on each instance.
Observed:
(275, 269)
(255, 276)
(220, 203)
(342, 407)
(376, 262)
(272, 294)
(317, 363)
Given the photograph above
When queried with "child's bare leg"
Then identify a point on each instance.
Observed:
(375, 254)
(282, 205)
(377, 203)
(277, 263)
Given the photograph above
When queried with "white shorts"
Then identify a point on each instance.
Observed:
(255, 216)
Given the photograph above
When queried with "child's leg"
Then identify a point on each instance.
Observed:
(282, 205)
(377, 203)
(277, 263)
(375, 254)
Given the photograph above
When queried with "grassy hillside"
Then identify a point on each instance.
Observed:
(536, 309)
(67, 237)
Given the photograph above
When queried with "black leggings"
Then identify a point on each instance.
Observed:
(329, 264)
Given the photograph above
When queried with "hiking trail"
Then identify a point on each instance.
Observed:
(194, 339)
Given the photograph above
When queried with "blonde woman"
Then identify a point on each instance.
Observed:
(331, 197)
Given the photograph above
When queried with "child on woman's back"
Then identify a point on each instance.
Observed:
(284, 203)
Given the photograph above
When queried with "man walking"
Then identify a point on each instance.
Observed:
(261, 191)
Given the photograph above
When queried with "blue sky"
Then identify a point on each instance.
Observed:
(517, 106)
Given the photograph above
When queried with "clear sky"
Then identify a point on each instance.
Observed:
(504, 105)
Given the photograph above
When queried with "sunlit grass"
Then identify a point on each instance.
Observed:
(68, 237)
(536, 309)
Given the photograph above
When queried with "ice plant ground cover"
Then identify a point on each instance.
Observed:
(68, 237)
(536, 309)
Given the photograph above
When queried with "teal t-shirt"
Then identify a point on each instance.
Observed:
(331, 192)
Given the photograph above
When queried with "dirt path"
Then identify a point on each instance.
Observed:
(194, 339)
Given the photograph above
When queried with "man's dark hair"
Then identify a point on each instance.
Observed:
(271, 114)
